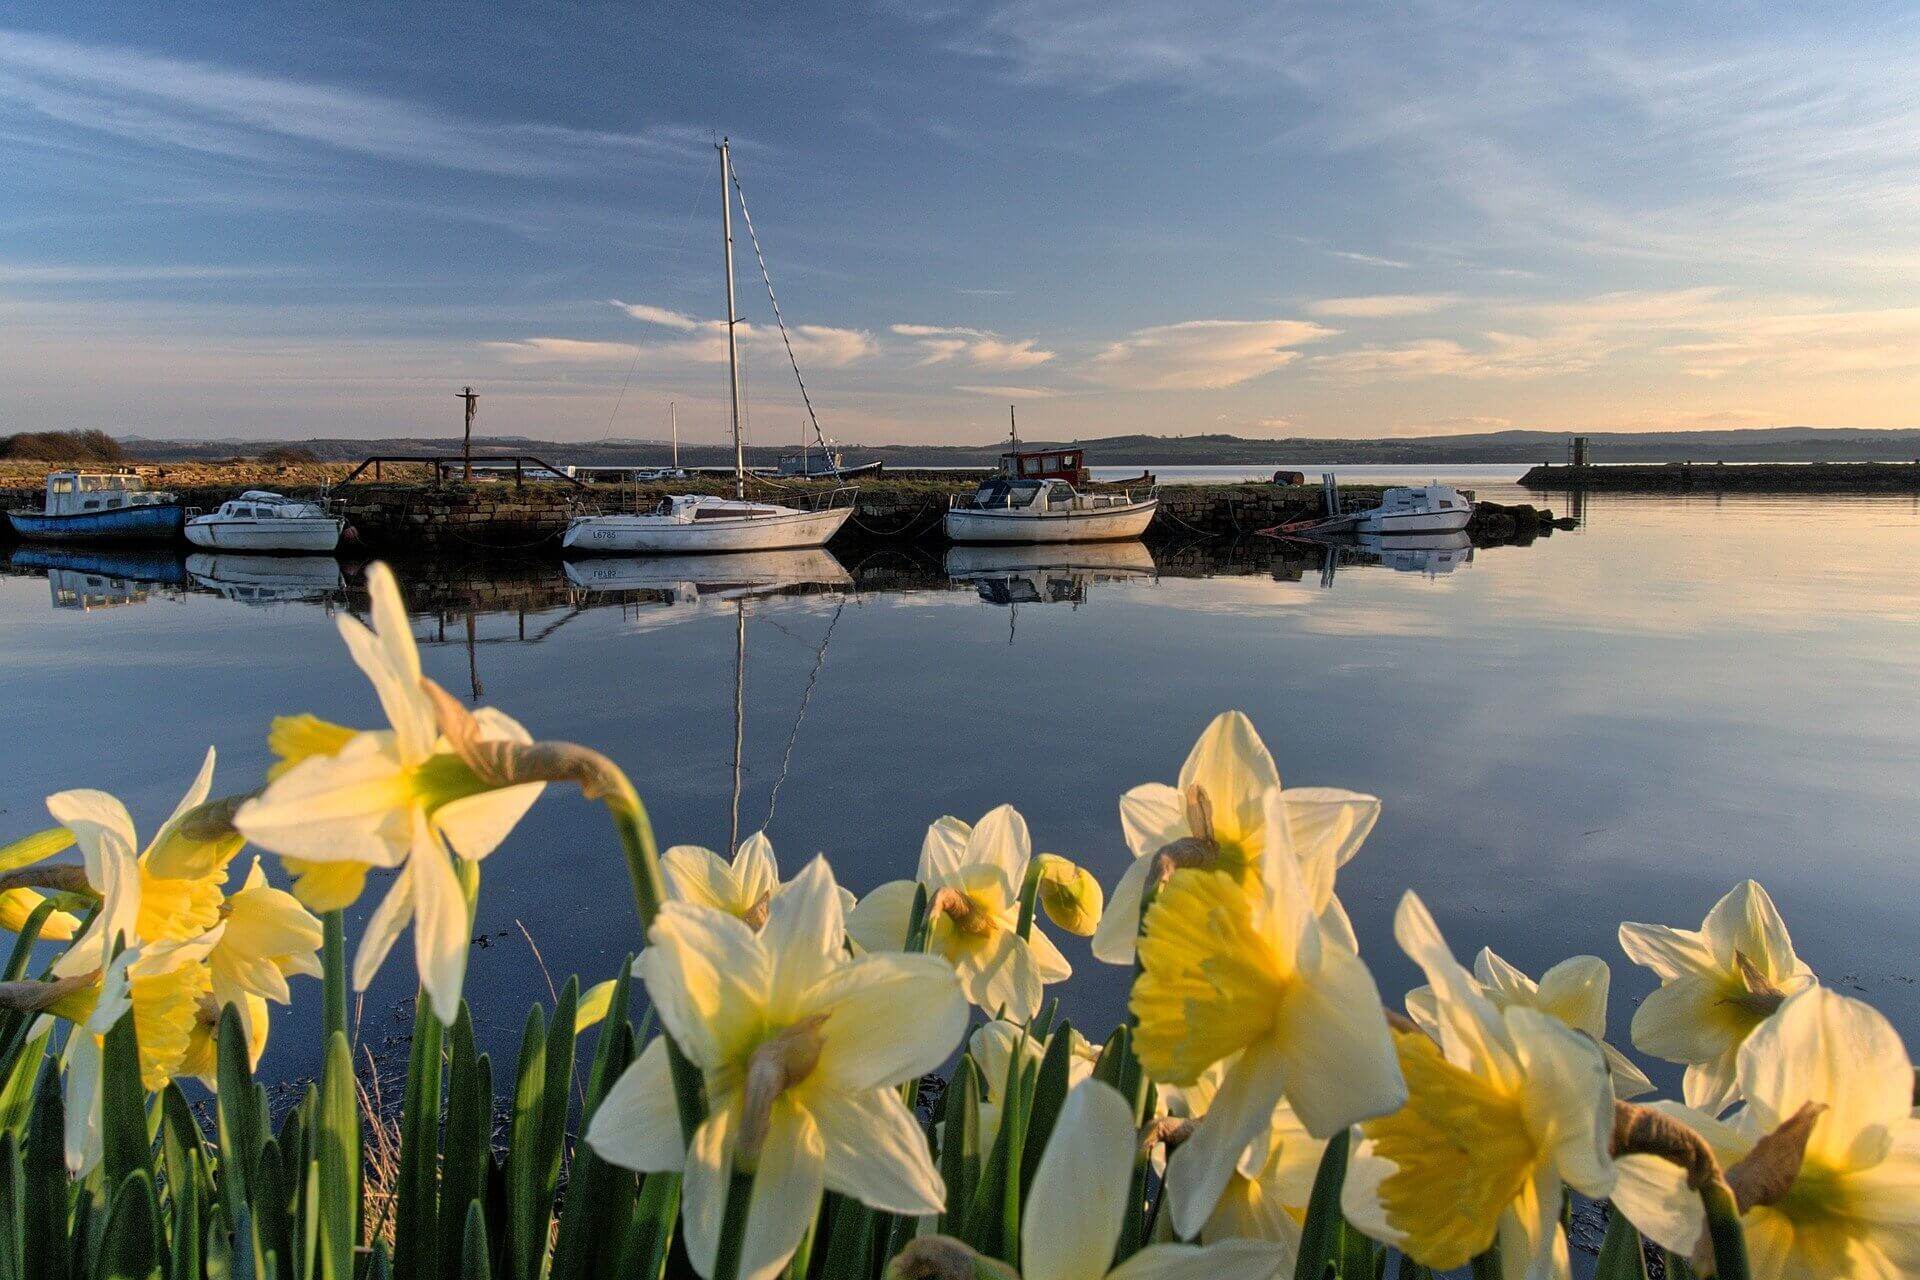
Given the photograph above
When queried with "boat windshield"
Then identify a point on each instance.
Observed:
(1005, 493)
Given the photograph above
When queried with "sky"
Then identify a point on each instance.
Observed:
(1289, 219)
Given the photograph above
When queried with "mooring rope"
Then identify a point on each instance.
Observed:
(786, 759)
(778, 319)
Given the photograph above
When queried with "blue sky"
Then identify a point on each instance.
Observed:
(1325, 219)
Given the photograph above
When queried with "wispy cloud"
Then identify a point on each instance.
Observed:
(704, 342)
(1371, 259)
(180, 105)
(1010, 393)
(89, 274)
(656, 315)
(938, 344)
(1202, 355)
(1381, 306)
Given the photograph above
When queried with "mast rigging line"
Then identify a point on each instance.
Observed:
(806, 399)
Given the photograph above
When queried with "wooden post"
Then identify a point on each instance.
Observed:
(466, 444)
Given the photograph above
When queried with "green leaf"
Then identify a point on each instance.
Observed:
(849, 1238)
(336, 1143)
(648, 1239)
(473, 1245)
(186, 1216)
(242, 1120)
(180, 1142)
(17, 1085)
(960, 1147)
(597, 1193)
(13, 1177)
(1621, 1257)
(1320, 1232)
(993, 1222)
(45, 1189)
(1049, 1095)
(526, 1212)
(1724, 1230)
(333, 973)
(469, 1137)
(1360, 1258)
(272, 1212)
(123, 1107)
(130, 1247)
(415, 1214)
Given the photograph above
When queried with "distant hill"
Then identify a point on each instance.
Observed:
(1768, 444)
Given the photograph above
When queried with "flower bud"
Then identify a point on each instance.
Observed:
(1070, 895)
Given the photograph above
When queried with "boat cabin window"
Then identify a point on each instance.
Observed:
(1006, 493)
(63, 485)
(1059, 495)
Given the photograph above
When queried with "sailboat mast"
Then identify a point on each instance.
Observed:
(674, 417)
(733, 350)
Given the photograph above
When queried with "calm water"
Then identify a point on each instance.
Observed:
(1618, 722)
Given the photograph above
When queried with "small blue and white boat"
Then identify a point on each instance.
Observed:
(100, 506)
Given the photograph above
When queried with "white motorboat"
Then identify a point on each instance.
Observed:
(700, 523)
(261, 521)
(1009, 509)
(1433, 508)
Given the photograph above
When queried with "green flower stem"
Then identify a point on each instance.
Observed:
(1029, 891)
(733, 1226)
(1322, 1225)
(1724, 1230)
(333, 968)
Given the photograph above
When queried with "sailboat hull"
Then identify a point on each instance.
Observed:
(664, 535)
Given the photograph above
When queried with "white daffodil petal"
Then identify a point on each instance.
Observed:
(1000, 840)
(637, 1125)
(1152, 816)
(806, 930)
(1048, 963)
(1227, 1260)
(1333, 1046)
(890, 1017)
(399, 694)
(1567, 1098)
(1471, 1031)
(788, 1178)
(1236, 770)
(709, 978)
(1712, 1087)
(1329, 824)
(1575, 991)
(474, 826)
(1747, 922)
(755, 868)
(1079, 1194)
(1831, 1049)
(1669, 952)
(704, 1184)
(876, 1152)
(102, 828)
(384, 927)
(441, 927)
(999, 976)
(879, 921)
(1653, 1192)
(337, 808)
(1360, 1202)
(1532, 1245)
(1119, 929)
(196, 795)
(1241, 1110)
(1684, 1021)
(942, 851)
(697, 875)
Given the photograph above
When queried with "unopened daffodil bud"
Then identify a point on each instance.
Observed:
(1070, 895)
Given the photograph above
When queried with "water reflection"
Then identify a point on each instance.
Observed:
(265, 580)
(1008, 575)
(90, 579)
(1428, 554)
(686, 579)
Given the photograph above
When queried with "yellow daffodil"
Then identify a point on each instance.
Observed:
(1574, 991)
(744, 889)
(170, 986)
(1506, 1110)
(82, 1064)
(1853, 1206)
(1069, 895)
(392, 798)
(1266, 1198)
(993, 1047)
(1717, 983)
(1074, 1213)
(1218, 817)
(322, 886)
(16, 905)
(1225, 971)
(972, 877)
(802, 1050)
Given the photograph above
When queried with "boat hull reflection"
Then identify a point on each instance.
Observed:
(690, 578)
(1042, 574)
(266, 579)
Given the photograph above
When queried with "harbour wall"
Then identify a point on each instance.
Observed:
(1741, 477)
(493, 517)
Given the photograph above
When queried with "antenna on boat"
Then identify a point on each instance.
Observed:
(733, 348)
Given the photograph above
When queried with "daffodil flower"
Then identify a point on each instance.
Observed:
(1068, 894)
(972, 876)
(993, 1047)
(1073, 1216)
(1218, 817)
(394, 798)
(802, 1050)
(17, 905)
(1853, 1206)
(744, 888)
(1224, 971)
(1717, 984)
(1266, 1198)
(1574, 991)
(1506, 1110)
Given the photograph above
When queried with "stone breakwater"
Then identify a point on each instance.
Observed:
(1740, 477)
(493, 517)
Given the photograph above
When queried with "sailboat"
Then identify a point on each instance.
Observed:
(702, 523)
